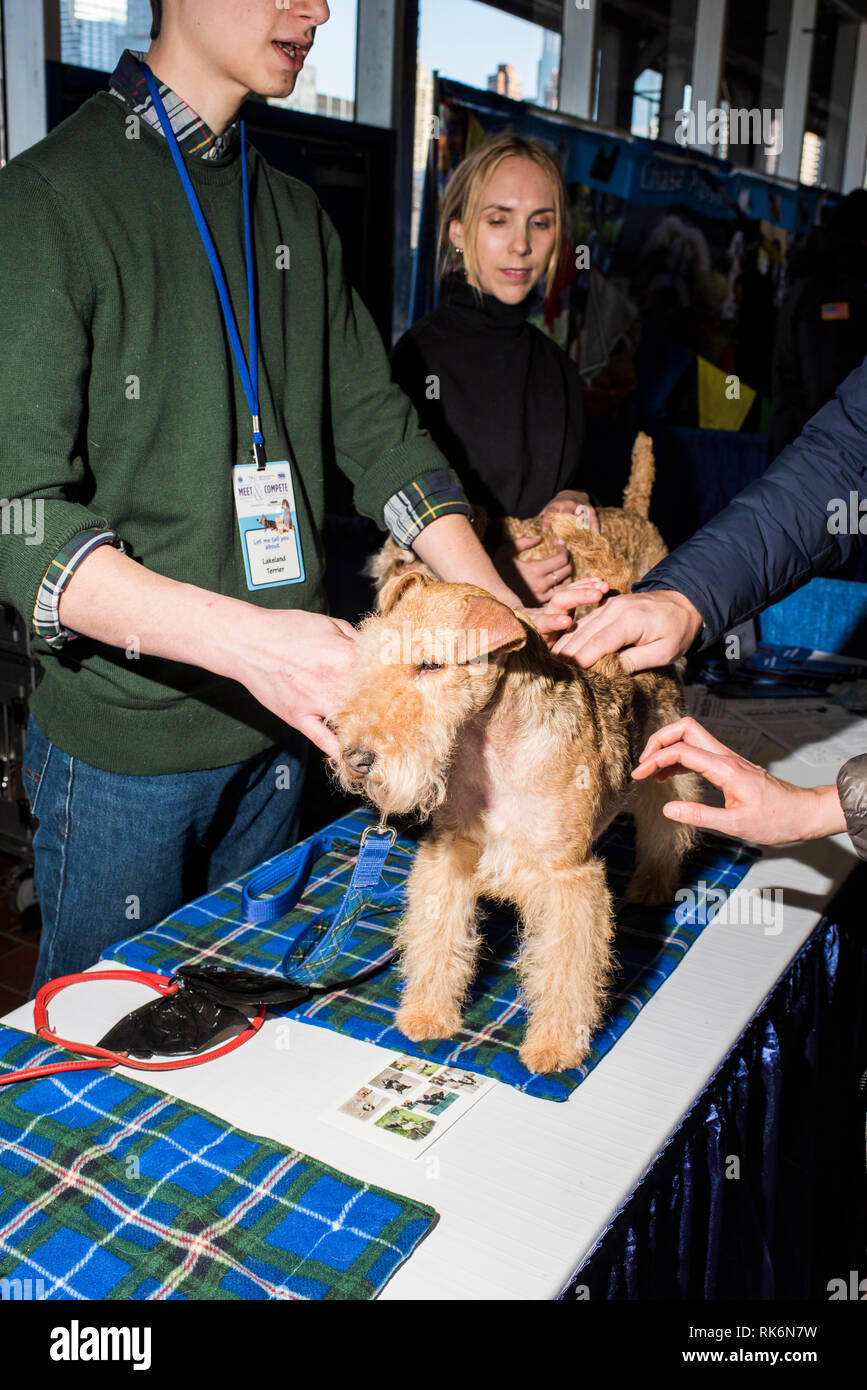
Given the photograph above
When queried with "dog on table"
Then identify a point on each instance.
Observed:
(457, 710)
(621, 552)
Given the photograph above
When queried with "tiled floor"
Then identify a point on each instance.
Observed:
(18, 952)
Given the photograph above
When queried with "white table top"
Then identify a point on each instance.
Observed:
(524, 1187)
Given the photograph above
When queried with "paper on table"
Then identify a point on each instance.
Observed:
(408, 1103)
(716, 716)
(816, 730)
(827, 735)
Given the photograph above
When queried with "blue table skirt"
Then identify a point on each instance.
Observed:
(785, 1103)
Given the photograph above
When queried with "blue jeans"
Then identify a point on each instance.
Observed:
(116, 853)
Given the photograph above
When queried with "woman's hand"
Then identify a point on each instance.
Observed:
(759, 807)
(535, 581)
(573, 503)
(549, 622)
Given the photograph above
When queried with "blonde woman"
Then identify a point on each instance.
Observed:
(501, 399)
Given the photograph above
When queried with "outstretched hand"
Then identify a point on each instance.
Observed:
(758, 806)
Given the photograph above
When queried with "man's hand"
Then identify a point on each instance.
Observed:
(651, 629)
(295, 664)
(573, 503)
(759, 807)
(292, 661)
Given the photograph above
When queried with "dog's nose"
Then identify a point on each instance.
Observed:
(361, 760)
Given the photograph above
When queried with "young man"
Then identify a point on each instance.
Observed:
(184, 662)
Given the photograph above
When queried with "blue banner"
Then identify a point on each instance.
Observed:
(642, 171)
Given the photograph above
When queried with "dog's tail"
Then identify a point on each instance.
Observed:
(636, 497)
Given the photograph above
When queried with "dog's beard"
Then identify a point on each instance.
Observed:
(411, 779)
(398, 787)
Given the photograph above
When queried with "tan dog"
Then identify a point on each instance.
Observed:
(458, 709)
(625, 548)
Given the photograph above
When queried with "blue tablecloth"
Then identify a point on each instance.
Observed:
(760, 1193)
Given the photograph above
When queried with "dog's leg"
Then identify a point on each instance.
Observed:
(660, 843)
(438, 938)
(564, 962)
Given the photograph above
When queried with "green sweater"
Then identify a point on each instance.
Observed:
(121, 406)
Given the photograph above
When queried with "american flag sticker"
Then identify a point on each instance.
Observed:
(832, 312)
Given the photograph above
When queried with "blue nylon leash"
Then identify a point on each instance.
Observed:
(249, 373)
(376, 842)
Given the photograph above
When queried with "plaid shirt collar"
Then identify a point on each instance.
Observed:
(193, 135)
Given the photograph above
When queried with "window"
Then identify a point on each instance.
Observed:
(481, 45)
(644, 64)
(94, 33)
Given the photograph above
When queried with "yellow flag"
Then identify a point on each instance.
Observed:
(476, 134)
(723, 401)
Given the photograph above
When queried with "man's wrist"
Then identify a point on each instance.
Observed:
(694, 620)
(219, 638)
(824, 812)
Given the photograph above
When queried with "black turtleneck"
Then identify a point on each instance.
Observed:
(509, 417)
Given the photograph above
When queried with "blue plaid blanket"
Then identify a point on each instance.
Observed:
(649, 944)
(112, 1190)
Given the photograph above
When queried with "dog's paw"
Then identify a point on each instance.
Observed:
(651, 888)
(545, 1055)
(417, 1022)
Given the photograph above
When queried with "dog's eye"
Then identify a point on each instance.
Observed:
(427, 666)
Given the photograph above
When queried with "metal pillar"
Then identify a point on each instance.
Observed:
(855, 160)
(799, 59)
(707, 62)
(578, 57)
(24, 62)
(376, 65)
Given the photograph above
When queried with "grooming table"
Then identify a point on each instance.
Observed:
(524, 1190)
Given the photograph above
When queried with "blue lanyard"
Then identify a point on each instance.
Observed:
(363, 892)
(249, 374)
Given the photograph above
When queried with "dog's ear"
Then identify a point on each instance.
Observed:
(496, 626)
(397, 587)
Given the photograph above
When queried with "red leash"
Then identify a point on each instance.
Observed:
(101, 1057)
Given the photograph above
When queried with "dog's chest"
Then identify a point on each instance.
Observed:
(503, 784)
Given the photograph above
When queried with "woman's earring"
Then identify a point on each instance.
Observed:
(459, 250)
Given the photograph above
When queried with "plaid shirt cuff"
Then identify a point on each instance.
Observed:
(433, 495)
(46, 614)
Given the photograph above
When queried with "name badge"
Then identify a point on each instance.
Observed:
(265, 506)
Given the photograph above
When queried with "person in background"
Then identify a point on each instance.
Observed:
(822, 327)
(501, 398)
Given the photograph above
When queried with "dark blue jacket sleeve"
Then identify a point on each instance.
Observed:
(784, 529)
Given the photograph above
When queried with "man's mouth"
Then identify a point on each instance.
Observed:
(293, 53)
